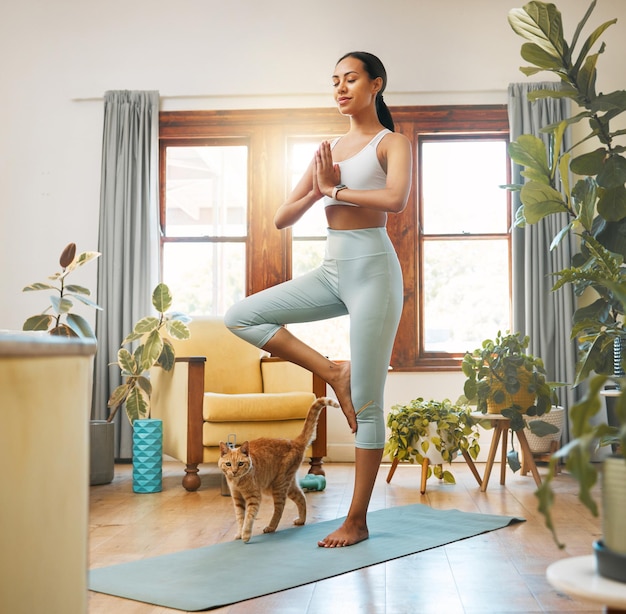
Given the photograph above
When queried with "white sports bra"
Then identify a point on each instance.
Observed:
(362, 171)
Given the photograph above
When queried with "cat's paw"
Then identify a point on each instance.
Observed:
(269, 530)
(246, 538)
(238, 536)
(299, 522)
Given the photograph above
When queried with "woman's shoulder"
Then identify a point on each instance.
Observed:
(395, 141)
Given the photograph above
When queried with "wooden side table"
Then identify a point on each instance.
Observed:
(577, 576)
(501, 425)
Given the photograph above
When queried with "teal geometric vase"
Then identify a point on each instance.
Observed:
(147, 455)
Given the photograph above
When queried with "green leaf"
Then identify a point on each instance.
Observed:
(541, 200)
(86, 301)
(177, 329)
(595, 35)
(161, 298)
(61, 305)
(530, 152)
(136, 405)
(612, 204)
(167, 357)
(613, 172)
(540, 23)
(39, 286)
(448, 478)
(41, 321)
(540, 428)
(586, 80)
(536, 55)
(146, 325)
(590, 163)
(150, 350)
(118, 396)
(73, 288)
(80, 326)
(126, 362)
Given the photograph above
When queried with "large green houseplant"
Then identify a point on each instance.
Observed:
(419, 427)
(59, 318)
(595, 207)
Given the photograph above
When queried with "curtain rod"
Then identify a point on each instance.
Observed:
(300, 95)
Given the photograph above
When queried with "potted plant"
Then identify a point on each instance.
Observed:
(149, 338)
(59, 319)
(62, 299)
(502, 377)
(595, 206)
(430, 432)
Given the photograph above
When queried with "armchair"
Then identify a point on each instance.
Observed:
(222, 385)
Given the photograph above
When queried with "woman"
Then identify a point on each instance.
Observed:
(362, 176)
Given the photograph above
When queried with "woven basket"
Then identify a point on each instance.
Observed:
(522, 397)
(541, 445)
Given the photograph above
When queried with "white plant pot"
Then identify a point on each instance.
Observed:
(542, 445)
(614, 504)
(433, 455)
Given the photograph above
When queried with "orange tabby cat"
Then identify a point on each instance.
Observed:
(268, 466)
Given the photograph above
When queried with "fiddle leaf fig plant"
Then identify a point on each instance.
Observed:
(154, 349)
(58, 318)
(412, 434)
(594, 204)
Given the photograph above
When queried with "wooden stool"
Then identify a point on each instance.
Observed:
(426, 463)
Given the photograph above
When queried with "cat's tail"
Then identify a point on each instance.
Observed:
(307, 435)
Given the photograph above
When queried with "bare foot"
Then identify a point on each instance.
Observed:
(347, 534)
(340, 383)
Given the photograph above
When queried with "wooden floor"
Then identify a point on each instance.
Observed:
(502, 571)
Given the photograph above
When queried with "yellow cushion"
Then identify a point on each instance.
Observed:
(214, 432)
(256, 407)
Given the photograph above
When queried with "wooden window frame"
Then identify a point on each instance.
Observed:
(268, 250)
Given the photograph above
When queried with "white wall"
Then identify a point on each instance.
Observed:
(58, 58)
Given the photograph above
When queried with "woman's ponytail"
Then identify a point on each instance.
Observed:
(375, 69)
(383, 112)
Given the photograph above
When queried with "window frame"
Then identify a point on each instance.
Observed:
(268, 250)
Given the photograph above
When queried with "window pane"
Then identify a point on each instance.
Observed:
(206, 191)
(466, 293)
(460, 186)
(205, 278)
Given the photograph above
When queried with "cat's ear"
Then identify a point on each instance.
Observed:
(245, 448)
(223, 448)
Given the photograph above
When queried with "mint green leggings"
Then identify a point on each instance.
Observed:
(360, 276)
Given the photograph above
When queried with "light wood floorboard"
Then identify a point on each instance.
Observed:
(496, 573)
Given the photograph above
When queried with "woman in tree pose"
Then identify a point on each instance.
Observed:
(361, 177)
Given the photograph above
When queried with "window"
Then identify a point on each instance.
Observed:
(464, 241)
(224, 173)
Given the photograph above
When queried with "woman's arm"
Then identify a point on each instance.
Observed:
(397, 157)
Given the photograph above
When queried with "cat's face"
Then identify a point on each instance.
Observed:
(234, 462)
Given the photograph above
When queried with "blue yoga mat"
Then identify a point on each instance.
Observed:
(201, 578)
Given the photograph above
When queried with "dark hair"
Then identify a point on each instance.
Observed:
(375, 69)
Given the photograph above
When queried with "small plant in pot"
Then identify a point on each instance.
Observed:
(428, 432)
(594, 204)
(503, 378)
(58, 318)
(151, 348)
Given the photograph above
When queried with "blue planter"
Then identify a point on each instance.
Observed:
(147, 455)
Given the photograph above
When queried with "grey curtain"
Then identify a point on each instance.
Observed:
(544, 315)
(128, 238)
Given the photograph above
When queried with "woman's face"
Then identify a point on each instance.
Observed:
(352, 87)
